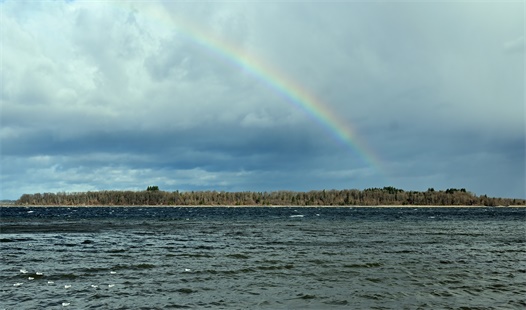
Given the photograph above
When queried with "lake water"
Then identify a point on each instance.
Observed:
(262, 258)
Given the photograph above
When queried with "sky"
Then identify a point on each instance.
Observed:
(262, 96)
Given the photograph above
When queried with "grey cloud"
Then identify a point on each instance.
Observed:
(119, 97)
(515, 46)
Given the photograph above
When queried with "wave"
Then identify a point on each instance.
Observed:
(15, 239)
(365, 265)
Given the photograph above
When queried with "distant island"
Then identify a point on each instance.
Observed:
(387, 196)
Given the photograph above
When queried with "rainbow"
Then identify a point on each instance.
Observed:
(275, 80)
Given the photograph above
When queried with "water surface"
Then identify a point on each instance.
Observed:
(262, 258)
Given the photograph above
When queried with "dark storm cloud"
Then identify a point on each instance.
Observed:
(120, 97)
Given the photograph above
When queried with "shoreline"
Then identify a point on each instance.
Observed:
(255, 206)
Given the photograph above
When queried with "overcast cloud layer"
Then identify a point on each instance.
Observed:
(102, 95)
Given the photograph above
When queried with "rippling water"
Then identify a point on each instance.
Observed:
(266, 258)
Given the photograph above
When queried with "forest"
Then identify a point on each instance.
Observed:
(348, 197)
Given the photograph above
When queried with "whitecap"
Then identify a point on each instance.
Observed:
(94, 286)
(67, 286)
(30, 278)
(297, 215)
(111, 285)
(64, 304)
(39, 273)
(23, 271)
(18, 284)
(50, 282)
(113, 272)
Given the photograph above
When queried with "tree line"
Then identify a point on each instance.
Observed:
(348, 197)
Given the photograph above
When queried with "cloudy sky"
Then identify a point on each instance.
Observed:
(262, 96)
